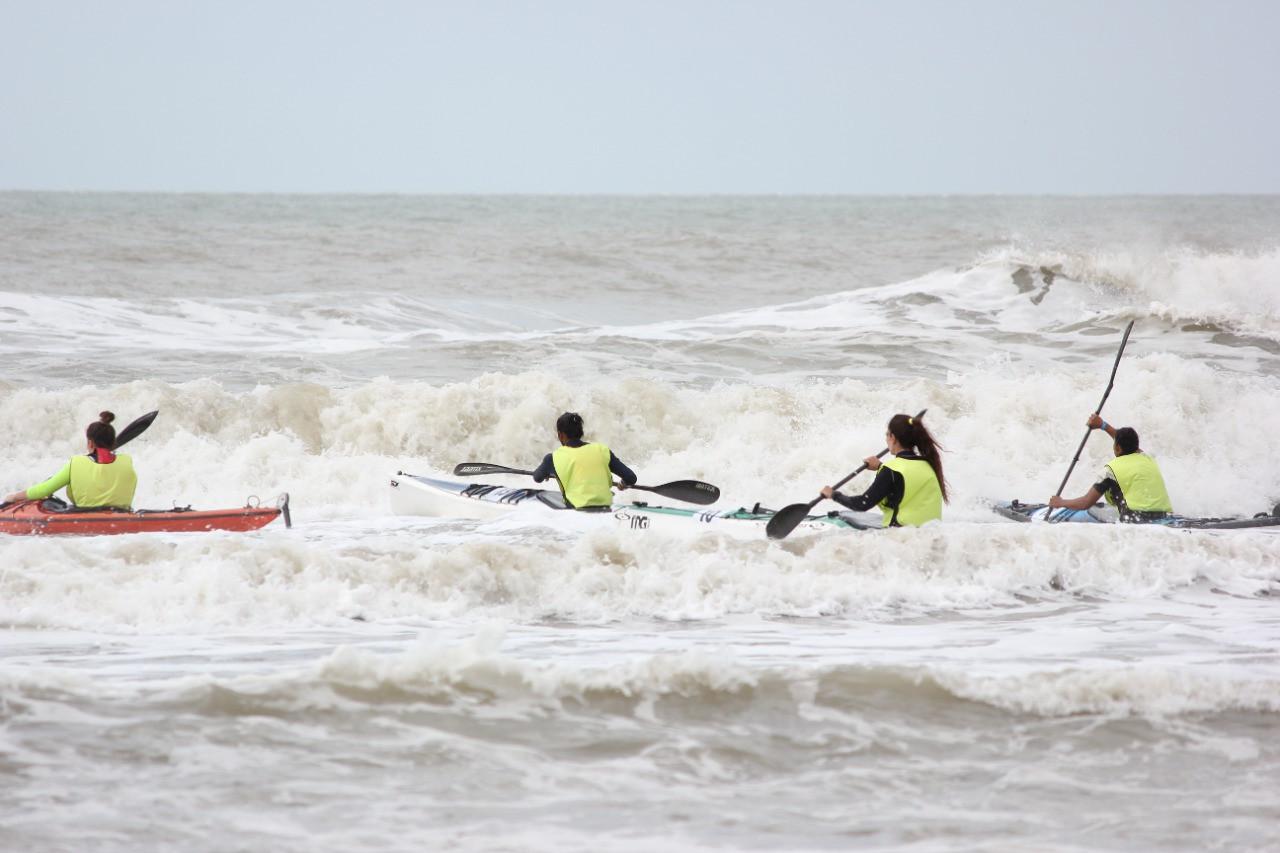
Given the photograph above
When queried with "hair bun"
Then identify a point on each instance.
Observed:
(106, 417)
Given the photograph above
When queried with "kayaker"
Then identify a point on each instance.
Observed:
(582, 468)
(1131, 482)
(909, 487)
(102, 478)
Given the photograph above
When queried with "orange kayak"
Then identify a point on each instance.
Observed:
(54, 517)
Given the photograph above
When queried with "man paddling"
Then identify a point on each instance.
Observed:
(583, 469)
(1131, 482)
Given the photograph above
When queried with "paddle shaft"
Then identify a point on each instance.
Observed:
(860, 469)
(1105, 394)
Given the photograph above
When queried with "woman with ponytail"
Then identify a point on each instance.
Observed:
(909, 488)
(102, 478)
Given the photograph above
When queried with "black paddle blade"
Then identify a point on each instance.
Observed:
(135, 429)
(475, 469)
(689, 491)
(786, 520)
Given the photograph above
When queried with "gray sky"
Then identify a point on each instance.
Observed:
(651, 96)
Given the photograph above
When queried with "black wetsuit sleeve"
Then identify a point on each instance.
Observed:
(624, 473)
(545, 470)
(1102, 487)
(888, 484)
(1108, 485)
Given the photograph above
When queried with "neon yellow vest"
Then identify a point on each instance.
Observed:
(1140, 482)
(921, 495)
(584, 474)
(93, 484)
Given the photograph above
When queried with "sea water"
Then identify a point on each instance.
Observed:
(370, 682)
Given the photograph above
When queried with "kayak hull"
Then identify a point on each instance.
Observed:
(55, 518)
(428, 496)
(1103, 514)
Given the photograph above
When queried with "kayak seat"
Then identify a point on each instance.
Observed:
(555, 500)
(58, 505)
(855, 520)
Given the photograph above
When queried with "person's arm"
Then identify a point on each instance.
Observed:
(545, 470)
(1083, 502)
(622, 472)
(881, 488)
(40, 491)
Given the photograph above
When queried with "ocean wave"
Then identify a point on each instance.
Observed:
(1050, 309)
(476, 678)
(1185, 286)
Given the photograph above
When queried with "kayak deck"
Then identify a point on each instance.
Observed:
(54, 517)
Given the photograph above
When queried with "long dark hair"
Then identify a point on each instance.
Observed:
(912, 433)
(101, 432)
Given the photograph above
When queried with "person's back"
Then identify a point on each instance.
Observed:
(921, 498)
(93, 483)
(1140, 483)
(583, 469)
(583, 472)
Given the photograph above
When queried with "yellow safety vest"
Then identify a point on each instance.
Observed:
(584, 475)
(921, 494)
(1140, 482)
(95, 484)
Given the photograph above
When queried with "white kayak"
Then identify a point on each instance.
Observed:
(416, 495)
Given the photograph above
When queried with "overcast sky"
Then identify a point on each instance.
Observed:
(649, 96)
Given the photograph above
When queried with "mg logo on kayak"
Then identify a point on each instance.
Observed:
(637, 522)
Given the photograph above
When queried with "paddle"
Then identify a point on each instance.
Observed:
(689, 491)
(787, 518)
(129, 433)
(1105, 394)
(135, 429)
